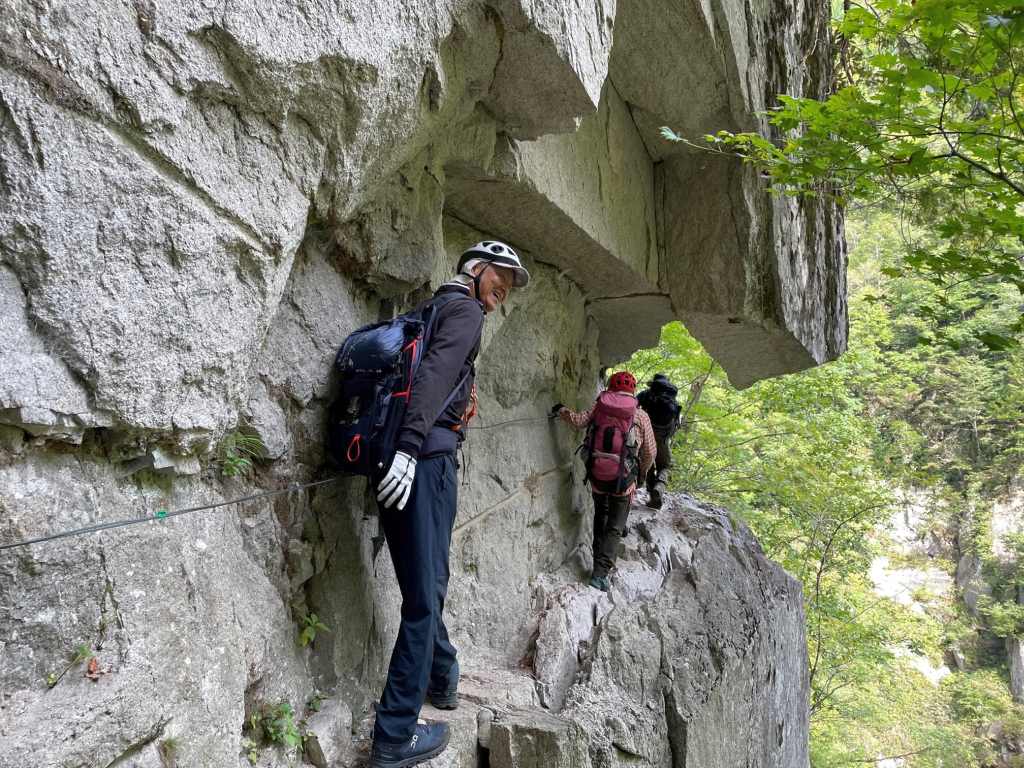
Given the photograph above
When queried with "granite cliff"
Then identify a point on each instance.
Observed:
(199, 200)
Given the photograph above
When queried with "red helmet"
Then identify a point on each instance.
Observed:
(622, 381)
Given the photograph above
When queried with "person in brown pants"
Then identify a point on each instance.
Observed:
(612, 498)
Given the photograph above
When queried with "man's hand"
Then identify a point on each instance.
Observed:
(397, 483)
(555, 409)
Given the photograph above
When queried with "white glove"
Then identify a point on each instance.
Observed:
(397, 483)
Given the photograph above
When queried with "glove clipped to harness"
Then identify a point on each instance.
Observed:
(397, 483)
(555, 409)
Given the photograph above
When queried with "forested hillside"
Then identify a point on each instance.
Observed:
(821, 463)
(889, 481)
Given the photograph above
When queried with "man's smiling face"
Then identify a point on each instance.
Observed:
(495, 284)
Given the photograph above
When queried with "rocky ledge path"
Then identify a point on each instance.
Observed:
(700, 639)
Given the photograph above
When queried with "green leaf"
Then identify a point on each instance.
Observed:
(996, 341)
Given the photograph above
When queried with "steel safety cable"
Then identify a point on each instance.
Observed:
(161, 515)
(513, 421)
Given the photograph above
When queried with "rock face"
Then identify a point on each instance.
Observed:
(199, 201)
(676, 669)
(675, 666)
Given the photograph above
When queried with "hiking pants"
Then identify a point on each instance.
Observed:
(658, 473)
(610, 515)
(419, 539)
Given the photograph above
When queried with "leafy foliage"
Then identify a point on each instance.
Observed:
(817, 464)
(925, 119)
(310, 624)
(922, 139)
(1003, 611)
(275, 724)
(236, 453)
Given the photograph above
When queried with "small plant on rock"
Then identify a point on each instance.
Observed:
(169, 750)
(251, 747)
(310, 624)
(82, 653)
(276, 725)
(236, 453)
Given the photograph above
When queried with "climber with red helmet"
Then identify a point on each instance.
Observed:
(417, 498)
(618, 448)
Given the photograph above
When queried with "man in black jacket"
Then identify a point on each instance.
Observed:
(417, 499)
(659, 401)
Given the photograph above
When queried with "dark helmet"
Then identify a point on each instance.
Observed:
(500, 254)
(662, 383)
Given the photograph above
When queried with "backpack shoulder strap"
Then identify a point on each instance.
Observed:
(451, 397)
(435, 305)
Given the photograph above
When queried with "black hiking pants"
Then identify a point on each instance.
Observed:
(658, 473)
(610, 516)
(419, 538)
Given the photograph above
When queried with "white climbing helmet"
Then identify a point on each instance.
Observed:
(497, 253)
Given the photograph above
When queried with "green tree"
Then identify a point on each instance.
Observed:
(924, 118)
(922, 140)
(815, 462)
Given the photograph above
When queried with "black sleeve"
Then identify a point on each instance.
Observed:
(456, 334)
(641, 399)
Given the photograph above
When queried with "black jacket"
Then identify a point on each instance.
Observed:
(663, 408)
(453, 348)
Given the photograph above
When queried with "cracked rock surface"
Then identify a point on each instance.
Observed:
(696, 657)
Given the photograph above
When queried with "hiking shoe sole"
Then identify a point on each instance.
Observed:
(444, 700)
(415, 760)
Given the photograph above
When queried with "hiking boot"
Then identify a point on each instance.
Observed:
(443, 699)
(655, 502)
(606, 585)
(427, 741)
(599, 583)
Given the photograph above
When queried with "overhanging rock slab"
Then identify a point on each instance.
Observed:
(586, 204)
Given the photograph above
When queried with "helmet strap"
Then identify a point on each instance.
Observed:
(476, 281)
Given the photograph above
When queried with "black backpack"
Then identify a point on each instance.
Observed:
(660, 403)
(378, 363)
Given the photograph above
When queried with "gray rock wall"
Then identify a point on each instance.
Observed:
(199, 201)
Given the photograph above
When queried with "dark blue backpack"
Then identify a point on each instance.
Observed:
(378, 363)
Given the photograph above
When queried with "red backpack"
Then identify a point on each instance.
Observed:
(611, 448)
